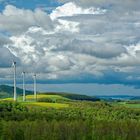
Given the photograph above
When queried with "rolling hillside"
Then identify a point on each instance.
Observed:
(7, 92)
(71, 96)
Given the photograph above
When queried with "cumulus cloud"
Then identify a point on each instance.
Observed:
(111, 4)
(94, 49)
(17, 20)
(70, 9)
(89, 41)
(6, 56)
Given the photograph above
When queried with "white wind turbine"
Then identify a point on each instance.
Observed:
(34, 75)
(35, 87)
(15, 91)
(24, 94)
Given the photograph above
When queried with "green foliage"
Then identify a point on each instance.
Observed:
(70, 130)
(11, 107)
(49, 100)
(80, 121)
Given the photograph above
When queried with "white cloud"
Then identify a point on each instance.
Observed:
(74, 41)
(134, 50)
(17, 20)
(126, 5)
(71, 9)
(65, 25)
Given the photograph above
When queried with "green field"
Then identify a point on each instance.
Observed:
(45, 105)
(53, 101)
(130, 105)
(43, 96)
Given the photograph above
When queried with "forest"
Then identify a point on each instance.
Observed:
(80, 120)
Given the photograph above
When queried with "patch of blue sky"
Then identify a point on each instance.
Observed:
(47, 5)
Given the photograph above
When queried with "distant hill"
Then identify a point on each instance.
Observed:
(7, 91)
(136, 98)
(118, 97)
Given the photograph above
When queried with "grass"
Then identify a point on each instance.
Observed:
(7, 99)
(45, 105)
(41, 96)
(129, 105)
(132, 105)
(30, 102)
(46, 96)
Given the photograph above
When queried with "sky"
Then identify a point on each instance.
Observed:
(81, 46)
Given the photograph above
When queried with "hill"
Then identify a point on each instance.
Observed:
(119, 98)
(7, 91)
(73, 96)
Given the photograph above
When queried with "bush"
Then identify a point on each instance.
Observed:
(49, 100)
(11, 106)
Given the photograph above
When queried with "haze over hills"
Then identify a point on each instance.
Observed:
(118, 97)
(7, 91)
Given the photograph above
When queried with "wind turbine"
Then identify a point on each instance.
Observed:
(24, 94)
(15, 91)
(35, 93)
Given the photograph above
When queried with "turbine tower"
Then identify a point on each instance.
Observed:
(15, 92)
(35, 93)
(24, 94)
